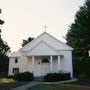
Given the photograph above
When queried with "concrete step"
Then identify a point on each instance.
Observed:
(39, 79)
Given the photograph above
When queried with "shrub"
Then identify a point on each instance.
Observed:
(26, 76)
(81, 66)
(52, 77)
(87, 66)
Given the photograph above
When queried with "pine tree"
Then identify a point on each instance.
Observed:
(78, 35)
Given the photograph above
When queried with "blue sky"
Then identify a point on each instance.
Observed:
(24, 18)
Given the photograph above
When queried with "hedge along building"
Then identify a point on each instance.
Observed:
(43, 55)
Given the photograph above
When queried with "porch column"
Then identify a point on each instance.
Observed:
(58, 63)
(51, 62)
(33, 63)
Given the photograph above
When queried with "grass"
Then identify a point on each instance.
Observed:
(6, 80)
(59, 87)
(82, 84)
(7, 84)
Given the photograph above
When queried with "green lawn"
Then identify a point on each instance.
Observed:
(82, 84)
(7, 84)
(59, 87)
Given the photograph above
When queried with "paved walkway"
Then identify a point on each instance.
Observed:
(33, 83)
(26, 86)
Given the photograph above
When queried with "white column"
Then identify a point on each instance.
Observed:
(33, 63)
(58, 63)
(51, 62)
(25, 61)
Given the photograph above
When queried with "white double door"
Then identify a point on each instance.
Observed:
(45, 68)
(41, 68)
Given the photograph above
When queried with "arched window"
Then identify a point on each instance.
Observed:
(45, 60)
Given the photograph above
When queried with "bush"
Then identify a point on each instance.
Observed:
(26, 76)
(81, 66)
(87, 66)
(52, 77)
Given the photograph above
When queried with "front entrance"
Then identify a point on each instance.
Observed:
(45, 66)
(41, 66)
(37, 67)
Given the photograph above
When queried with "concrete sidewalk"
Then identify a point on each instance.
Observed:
(26, 86)
(33, 83)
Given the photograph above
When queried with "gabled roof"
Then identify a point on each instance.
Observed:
(44, 40)
(16, 54)
(42, 48)
(50, 40)
(23, 49)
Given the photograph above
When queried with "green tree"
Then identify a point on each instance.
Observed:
(1, 22)
(78, 35)
(4, 51)
(24, 42)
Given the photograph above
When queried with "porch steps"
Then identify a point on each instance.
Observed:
(41, 78)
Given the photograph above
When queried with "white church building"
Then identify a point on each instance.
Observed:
(45, 54)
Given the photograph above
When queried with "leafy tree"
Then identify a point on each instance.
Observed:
(4, 51)
(78, 35)
(27, 41)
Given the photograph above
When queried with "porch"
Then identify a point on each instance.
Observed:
(41, 65)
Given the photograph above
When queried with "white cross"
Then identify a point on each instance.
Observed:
(45, 27)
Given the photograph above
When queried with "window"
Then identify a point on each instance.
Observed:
(16, 60)
(15, 70)
(89, 52)
(45, 60)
